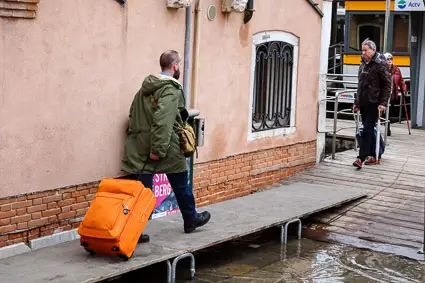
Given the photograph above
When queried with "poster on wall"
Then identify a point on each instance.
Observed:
(166, 203)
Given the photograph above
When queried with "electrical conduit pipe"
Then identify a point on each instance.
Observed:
(196, 42)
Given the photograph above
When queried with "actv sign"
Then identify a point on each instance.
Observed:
(409, 5)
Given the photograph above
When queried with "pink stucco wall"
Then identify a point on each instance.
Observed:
(67, 79)
(226, 75)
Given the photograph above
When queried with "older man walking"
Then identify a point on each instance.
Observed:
(373, 92)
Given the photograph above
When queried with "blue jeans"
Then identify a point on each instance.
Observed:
(180, 184)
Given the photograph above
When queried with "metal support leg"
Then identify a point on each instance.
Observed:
(284, 231)
(168, 271)
(174, 266)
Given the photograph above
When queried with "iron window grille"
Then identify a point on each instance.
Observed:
(272, 86)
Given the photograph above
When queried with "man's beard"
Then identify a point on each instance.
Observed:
(177, 74)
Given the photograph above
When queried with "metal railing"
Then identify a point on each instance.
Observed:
(343, 96)
(348, 96)
(341, 79)
(400, 105)
(336, 58)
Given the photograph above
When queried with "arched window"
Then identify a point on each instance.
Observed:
(274, 71)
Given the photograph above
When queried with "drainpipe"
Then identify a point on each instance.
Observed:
(192, 95)
(196, 42)
(187, 53)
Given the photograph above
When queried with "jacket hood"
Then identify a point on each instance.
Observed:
(154, 82)
(379, 58)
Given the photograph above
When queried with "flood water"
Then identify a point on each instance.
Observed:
(261, 258)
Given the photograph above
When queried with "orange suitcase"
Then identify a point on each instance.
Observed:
(116, 217)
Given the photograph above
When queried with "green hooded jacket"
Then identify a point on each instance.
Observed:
(154, 115)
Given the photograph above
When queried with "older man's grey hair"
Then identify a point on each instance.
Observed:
(369, 43)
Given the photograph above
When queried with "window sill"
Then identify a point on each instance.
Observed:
(272, 133)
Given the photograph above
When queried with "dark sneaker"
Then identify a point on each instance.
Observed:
(200, 220)
(143, 239)
(358, 163)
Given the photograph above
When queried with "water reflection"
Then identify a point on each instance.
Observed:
(303, 261)
(260, 258)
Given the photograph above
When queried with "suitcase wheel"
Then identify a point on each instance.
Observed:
(92, 253)
(124, 257)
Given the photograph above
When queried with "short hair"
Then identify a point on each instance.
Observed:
(369, 43)
(168, 58)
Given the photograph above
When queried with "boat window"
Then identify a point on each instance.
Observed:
(400, 42)
(364, 26)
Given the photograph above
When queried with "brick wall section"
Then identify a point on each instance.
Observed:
(23, 218)
(243, 174)
(25, 9)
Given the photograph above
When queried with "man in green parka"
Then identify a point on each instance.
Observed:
(153, 146)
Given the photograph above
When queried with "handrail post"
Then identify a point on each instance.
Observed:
(334, 60)
(335, 125)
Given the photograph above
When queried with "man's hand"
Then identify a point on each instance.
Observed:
(153, 156)
(382, 108)
(355, 108)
